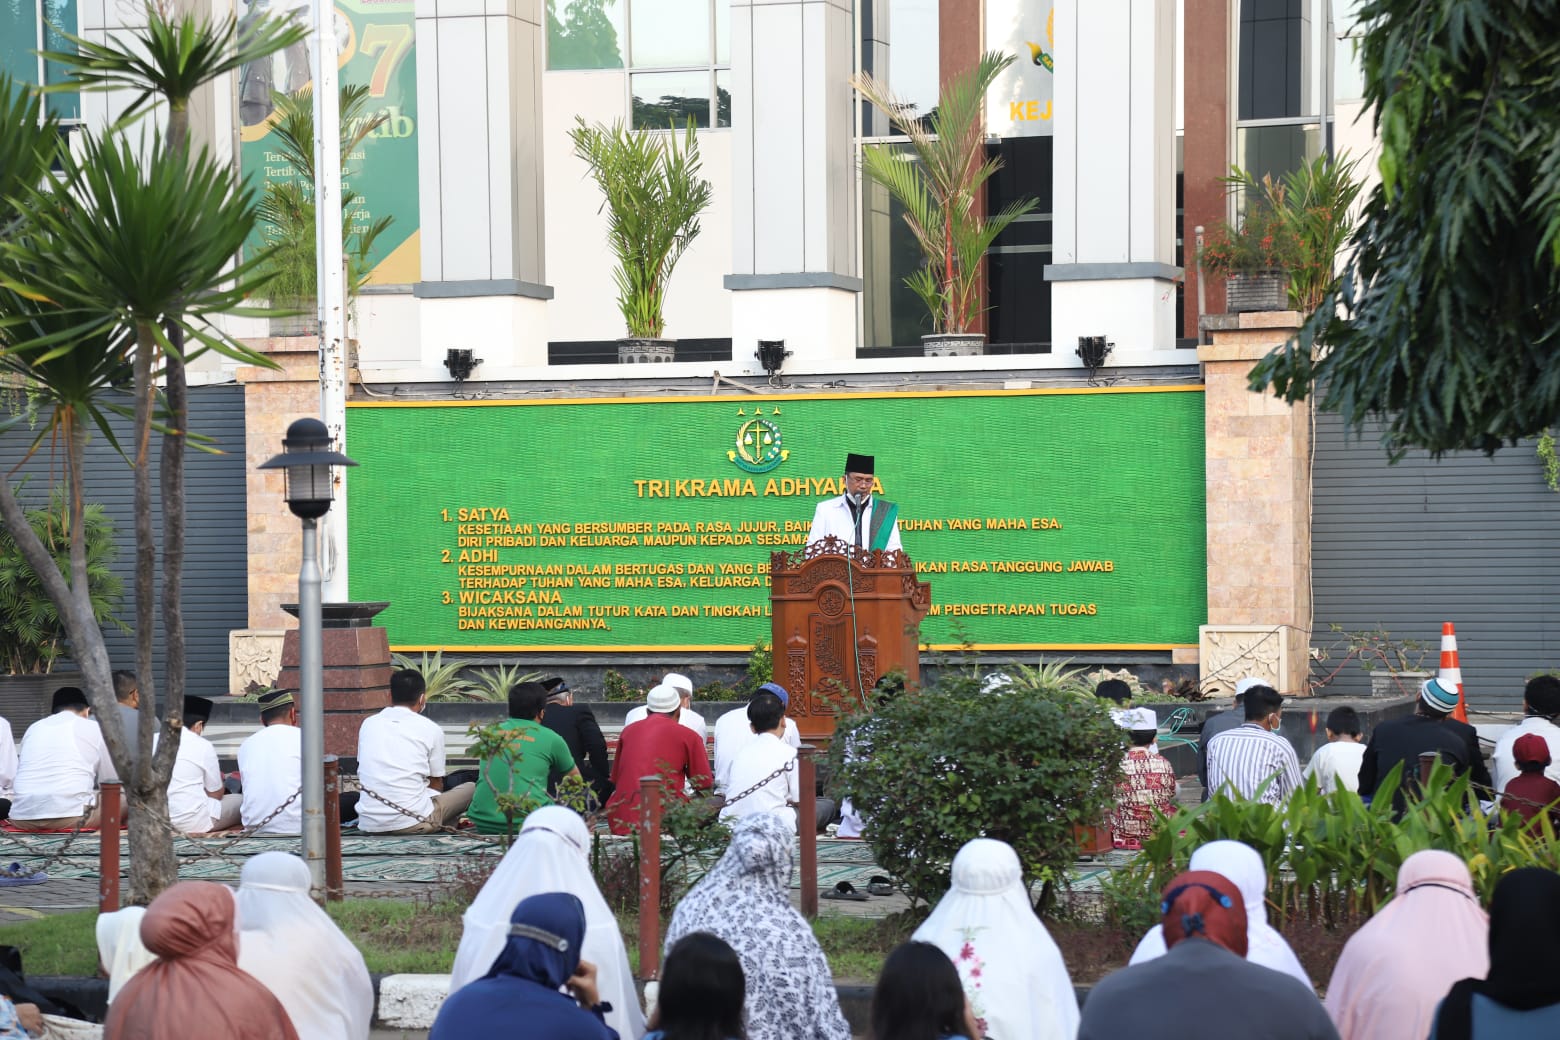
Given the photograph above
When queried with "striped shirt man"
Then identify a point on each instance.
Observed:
(1244, 757)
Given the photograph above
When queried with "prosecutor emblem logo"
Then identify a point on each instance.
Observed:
(758, 447)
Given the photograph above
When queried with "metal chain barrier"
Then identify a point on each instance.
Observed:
(789, 767)
(59, 853)
(439, 828)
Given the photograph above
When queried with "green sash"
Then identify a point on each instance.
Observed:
(884, 514)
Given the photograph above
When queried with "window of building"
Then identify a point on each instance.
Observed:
(677, 53)
(29, 26)
(1348, 76)
(1283, 72)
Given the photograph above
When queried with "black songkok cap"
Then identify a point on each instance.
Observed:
(859, 463)
(196, 709)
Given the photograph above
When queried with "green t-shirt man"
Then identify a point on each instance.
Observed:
(537, 752)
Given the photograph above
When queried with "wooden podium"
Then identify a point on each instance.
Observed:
(842, 617)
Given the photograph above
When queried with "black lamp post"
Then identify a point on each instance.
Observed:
(307, 460)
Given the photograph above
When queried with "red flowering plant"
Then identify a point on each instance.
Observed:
(1264, 241)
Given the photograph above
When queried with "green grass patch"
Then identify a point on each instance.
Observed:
(399, 937)
(59, 944)
(419, 936)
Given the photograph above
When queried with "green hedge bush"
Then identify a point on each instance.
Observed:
(948, 763)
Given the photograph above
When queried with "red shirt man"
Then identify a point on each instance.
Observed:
(657, 744)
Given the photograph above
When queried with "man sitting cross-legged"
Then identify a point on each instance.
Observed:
(270, 763)
(63, 758)
(197, 801)
(535, 753)
(758, 760)
(401, 757)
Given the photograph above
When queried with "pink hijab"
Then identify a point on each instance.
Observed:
(1394, 971)
(194, 988)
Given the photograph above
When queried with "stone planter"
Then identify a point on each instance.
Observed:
(24, 699)
(1257, 291)
(646, 351)
(954, 344)
(305, 324)
(1396, 684)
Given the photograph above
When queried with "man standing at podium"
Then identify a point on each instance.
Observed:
(856, 517)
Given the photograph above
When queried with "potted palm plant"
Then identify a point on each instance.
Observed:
(1282, 253)
(286, 209)
(938, 181)
(653, 195)
(1255, 256)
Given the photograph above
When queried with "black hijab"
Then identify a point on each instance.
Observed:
(1524, 949)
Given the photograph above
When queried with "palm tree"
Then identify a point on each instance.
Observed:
(126, 256)
(938, 183)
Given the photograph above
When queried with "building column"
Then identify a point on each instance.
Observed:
(1258, 474)
(479, 95)
(1206, 146)
(794, 267)
(273, 399)
(1114, 175)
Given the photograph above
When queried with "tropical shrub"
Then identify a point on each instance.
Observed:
(444, 681)
(32, 635)
(1334, 859)
(949, 764)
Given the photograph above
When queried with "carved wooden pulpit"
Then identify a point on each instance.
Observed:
(842, 617)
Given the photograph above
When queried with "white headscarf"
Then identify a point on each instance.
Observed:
(1013, 973)
(120, 947)
(1242, 866)
(290, 945)
(551, 854)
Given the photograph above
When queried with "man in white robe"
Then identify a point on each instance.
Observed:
(858, 517)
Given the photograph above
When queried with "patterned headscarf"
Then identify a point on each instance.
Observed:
(745, 900)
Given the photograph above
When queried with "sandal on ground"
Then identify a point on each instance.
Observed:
(845, 890)
(879, 885)
(14, 875)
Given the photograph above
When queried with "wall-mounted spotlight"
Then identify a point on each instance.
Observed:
(1092, 351)
(771, 354)
(461, 363)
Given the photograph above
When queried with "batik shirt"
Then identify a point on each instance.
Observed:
(1147, 786)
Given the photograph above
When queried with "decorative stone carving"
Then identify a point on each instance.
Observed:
(1229, 653)
(254, 656)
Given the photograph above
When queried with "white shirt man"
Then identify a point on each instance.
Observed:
(63, 759)
(401, 756)
(1541, 701)
(197, 801)
(757, 763)
(686, 716)
(851, 517)
(733, 732)
(7, 759)
(1337, 763)
(270, 764)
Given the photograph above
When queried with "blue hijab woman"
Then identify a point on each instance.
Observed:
(525, 984)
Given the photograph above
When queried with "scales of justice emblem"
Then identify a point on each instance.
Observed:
(758, 447)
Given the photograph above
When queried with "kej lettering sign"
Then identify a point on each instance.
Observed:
(1043, 519)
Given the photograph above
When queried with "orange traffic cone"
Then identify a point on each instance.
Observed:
(1451, 671)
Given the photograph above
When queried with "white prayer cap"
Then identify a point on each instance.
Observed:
(662, 699)
(678, 681)
(1137, 718)
(1247, 683)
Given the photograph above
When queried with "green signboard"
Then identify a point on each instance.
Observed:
(1045, 519)
(376, 41)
